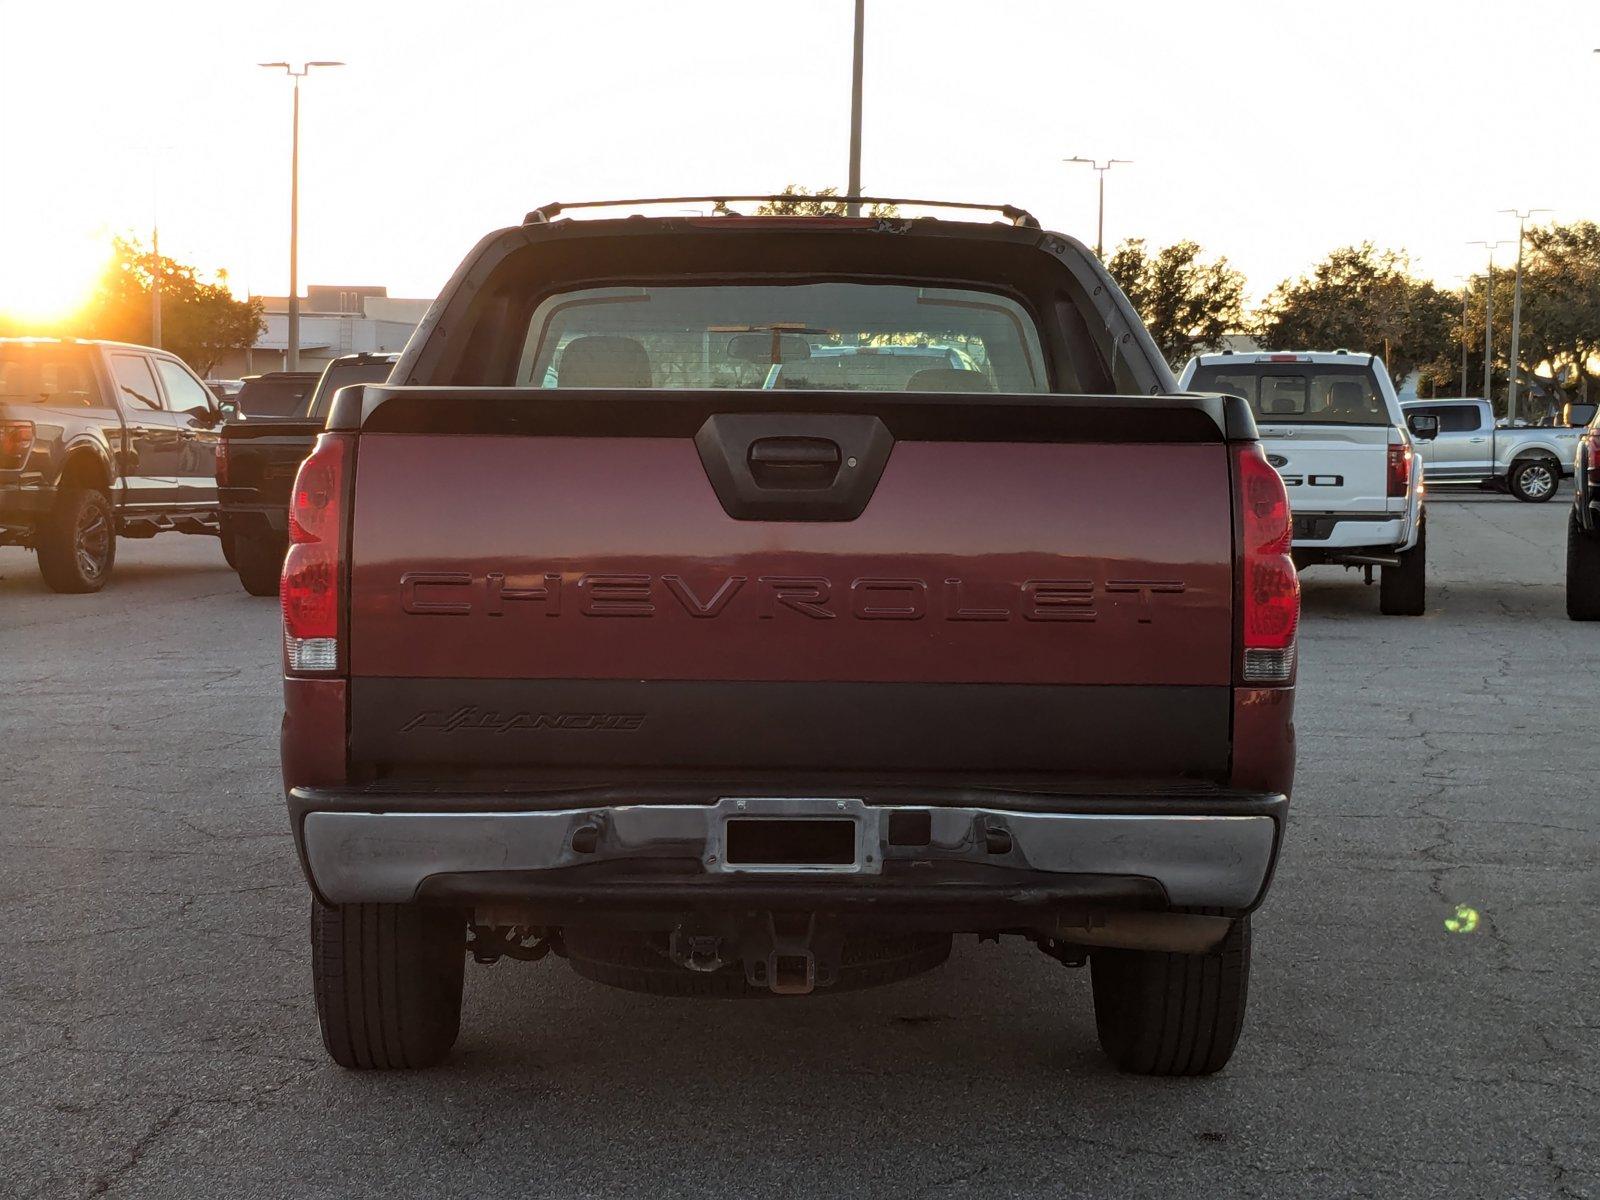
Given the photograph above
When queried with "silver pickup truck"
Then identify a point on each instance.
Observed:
(1527, 461)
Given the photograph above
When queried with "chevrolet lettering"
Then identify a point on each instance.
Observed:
(610, 594)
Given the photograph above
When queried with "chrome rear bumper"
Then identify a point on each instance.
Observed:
(1219, 860)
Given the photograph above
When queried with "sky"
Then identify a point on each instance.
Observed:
(1268, 132)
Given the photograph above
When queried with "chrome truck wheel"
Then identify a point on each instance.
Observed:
(1535, 480)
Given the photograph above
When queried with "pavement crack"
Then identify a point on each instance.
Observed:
(103, 1183)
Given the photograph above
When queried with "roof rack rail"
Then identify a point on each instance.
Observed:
(546, 213)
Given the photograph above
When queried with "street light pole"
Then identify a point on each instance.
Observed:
(853, 187)
(1100, 169)
(1466, 286)
(1488, 324)
(1516, 315)
(155, 246)
(293, 354)
(155, 286)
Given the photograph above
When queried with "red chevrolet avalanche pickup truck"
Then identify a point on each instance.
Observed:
(604, 638)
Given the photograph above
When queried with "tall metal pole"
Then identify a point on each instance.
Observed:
(293, 363)
(1100, 221)
(155, 251)
(155, 287)
(1488, 323)
(1513, 368)
(853, 187)
(292, 357)
(1464, 289)
(1488, 335)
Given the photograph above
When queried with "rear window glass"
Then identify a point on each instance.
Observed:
(842, 336)
(47, 376)
(340, 375)
(274, 397)
(1299, 393)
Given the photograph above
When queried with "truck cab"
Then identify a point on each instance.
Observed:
(1332, 425)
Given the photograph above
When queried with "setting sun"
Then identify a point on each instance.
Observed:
(45, 278)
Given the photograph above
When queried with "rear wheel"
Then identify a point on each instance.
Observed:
(1172, 1014)
(1583, 572)
(1534, 480)
(259, 563)
(78, 542)
(388, 982)
(228, 555)
(1403, 589)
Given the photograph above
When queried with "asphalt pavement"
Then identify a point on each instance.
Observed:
(157, 1035)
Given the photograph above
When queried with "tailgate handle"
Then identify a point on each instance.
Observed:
(794, 462)
(793, 466)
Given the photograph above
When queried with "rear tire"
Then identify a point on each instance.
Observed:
(259, 564)
(1583, 572)
(1534, 480)
(228, 554)
(1172, 1014)
(387, 979)
(78, 542)
(635, 962)
(1403, 590)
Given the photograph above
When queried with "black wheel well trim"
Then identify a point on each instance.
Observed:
(97, 475)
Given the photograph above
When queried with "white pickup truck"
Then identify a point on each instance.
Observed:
(1331, 424)
(1528, 461)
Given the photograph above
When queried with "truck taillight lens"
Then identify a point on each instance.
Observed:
(1270, 586)
(16, 439)
(1399, 470)
(222, 463)
(312, 585)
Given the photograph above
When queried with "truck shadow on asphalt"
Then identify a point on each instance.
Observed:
(988, 1005)
(19, 575)
(1328, 596)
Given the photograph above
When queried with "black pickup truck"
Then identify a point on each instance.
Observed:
(101, 440)
(1583, 530)
(256, 461)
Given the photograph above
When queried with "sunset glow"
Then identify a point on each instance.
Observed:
(46, 278)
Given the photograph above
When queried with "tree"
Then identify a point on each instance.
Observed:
(1364, 299)
(1560, 316)
(798, 202)
(200, 321)
(1188, 305)
(1561, 298)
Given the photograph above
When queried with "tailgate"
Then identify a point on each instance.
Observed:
(260, 457)
(544, 584)
(1333, 468)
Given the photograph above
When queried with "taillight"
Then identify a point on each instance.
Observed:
(16, 439)
(222, 462)
(1399, 469)
(1270, 588)
(311, 589)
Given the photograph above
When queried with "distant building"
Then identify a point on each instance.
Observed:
(334, 320)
